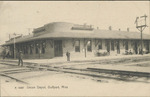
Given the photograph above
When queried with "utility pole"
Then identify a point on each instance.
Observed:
(141, 27)
(14, 46)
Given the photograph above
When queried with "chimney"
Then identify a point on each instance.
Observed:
(90, 26)
(110, 28)
(128, 29)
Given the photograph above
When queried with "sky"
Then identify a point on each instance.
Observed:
(20, 16)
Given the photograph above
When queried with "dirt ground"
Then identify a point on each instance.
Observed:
(57, 83)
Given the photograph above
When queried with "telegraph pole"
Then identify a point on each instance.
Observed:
(15, 44)
(141, 27)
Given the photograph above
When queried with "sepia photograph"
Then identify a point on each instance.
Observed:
(74, 48)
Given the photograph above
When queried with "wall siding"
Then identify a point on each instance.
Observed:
(67, 45)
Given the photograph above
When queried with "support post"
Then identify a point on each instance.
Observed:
(85, 47)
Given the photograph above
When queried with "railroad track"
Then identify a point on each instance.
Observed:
(124, 76)
(15, 70)
(13, 78)
(102, 73)
(11, 69)
(121, 72)
(92, 72)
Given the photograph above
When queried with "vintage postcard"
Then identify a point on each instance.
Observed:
(74, 48)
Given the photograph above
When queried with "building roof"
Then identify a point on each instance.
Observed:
(19, 40)
(101, 34)
(96, 33)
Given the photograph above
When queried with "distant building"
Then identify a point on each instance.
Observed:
(55, 39)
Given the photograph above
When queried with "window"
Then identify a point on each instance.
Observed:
(89, 46)
(21, 48)
(117, 44)
(112, 45)
(77, 46)
(31, 46)
(26, 49)
(100, 45)
(43, 47)
(37, 48)
(17, 49)
(147, 46)
(126, 45)
(107, 44)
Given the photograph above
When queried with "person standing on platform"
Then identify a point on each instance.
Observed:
(20, 58)
(68, 56)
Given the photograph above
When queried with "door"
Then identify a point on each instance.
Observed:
(58, 48)
(136, 48)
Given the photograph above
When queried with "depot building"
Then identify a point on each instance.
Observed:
(55, 39)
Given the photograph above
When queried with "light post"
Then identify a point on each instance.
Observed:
(141, 27)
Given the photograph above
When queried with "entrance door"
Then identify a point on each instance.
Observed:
(58, 48)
